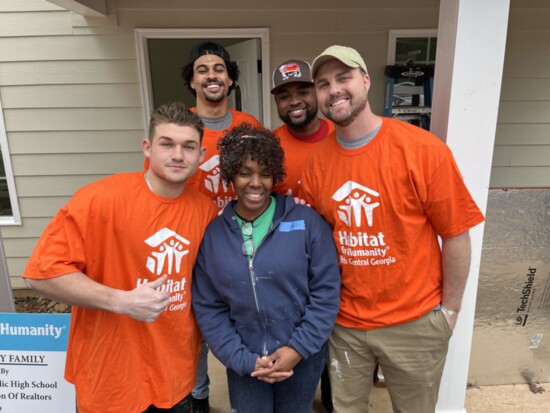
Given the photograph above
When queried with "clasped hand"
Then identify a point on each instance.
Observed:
(276, 366)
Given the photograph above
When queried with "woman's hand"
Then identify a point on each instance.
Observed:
(277, 366)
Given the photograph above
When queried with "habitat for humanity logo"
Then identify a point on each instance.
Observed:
(213, 179)
(355, 201)
(170, 248)
(357, 245)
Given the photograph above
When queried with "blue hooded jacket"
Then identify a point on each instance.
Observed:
(288, 295)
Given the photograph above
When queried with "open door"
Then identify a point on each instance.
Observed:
(247, 96)
(163, 52)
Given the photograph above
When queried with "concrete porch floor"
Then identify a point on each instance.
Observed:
(485, 399)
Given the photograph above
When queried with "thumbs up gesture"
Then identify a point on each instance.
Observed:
(145, 303)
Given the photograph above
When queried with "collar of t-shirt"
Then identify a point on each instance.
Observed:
(261, 224)
(316, 136)
(218, 123)
(359, 142)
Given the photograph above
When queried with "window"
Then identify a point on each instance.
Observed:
(9, 206)
(418, 46)
(409, 75)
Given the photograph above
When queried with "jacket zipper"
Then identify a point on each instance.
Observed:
(252, 280)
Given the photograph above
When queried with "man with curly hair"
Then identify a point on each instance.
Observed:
(210, 76)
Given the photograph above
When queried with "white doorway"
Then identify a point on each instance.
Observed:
(162, 53)
(248, 93)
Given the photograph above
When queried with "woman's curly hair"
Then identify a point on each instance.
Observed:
(260, 144)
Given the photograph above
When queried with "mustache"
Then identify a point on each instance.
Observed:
(342, 95)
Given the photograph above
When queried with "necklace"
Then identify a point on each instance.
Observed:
(147, 181)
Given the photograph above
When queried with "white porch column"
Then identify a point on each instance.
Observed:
(470, 56)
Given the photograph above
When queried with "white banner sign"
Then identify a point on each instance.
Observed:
(32, 363)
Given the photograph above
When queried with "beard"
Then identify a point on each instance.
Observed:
(299, 124)
(214, 98)
(345, 118)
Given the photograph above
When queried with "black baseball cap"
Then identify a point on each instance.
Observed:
(208, 47)
(289, 72)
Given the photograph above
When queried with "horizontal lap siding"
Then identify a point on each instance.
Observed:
(522, 144)
(70, 93)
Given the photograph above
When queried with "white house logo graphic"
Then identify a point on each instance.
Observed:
(169, 251)
(355, 201)
(213, 178)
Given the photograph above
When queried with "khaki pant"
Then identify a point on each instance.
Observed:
(411, 355)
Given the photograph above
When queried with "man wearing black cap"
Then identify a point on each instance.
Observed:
(211, 76)
(390, 191)
(296, 102)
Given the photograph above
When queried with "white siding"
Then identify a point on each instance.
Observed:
(68, 72)
(57, 142)
(70, 94)
(522, 145)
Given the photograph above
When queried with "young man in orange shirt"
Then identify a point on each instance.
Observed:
(210, 75)
(389, 190)
(121, 252)
(297, 107)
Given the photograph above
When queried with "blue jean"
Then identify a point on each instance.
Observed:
(295, 394)
(202, 381)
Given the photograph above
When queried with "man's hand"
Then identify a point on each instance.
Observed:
(297, 200)
(145, 303)
(451, 317)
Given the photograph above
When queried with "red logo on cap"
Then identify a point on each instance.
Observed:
(291, 69)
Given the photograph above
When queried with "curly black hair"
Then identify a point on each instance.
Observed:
(232, 70)
(260, 144)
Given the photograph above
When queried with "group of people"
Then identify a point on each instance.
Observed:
(211, 246)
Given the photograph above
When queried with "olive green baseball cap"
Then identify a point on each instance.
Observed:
(348, 56)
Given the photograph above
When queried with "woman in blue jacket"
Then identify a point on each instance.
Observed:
(266, 286)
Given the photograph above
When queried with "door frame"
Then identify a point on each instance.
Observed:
(143, 35)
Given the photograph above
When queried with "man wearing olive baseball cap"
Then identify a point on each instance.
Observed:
(389, 190)
(348, 56)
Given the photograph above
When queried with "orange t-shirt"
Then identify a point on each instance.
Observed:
(120, 234)
(387, 202)
(207, 179)
(296, 152)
